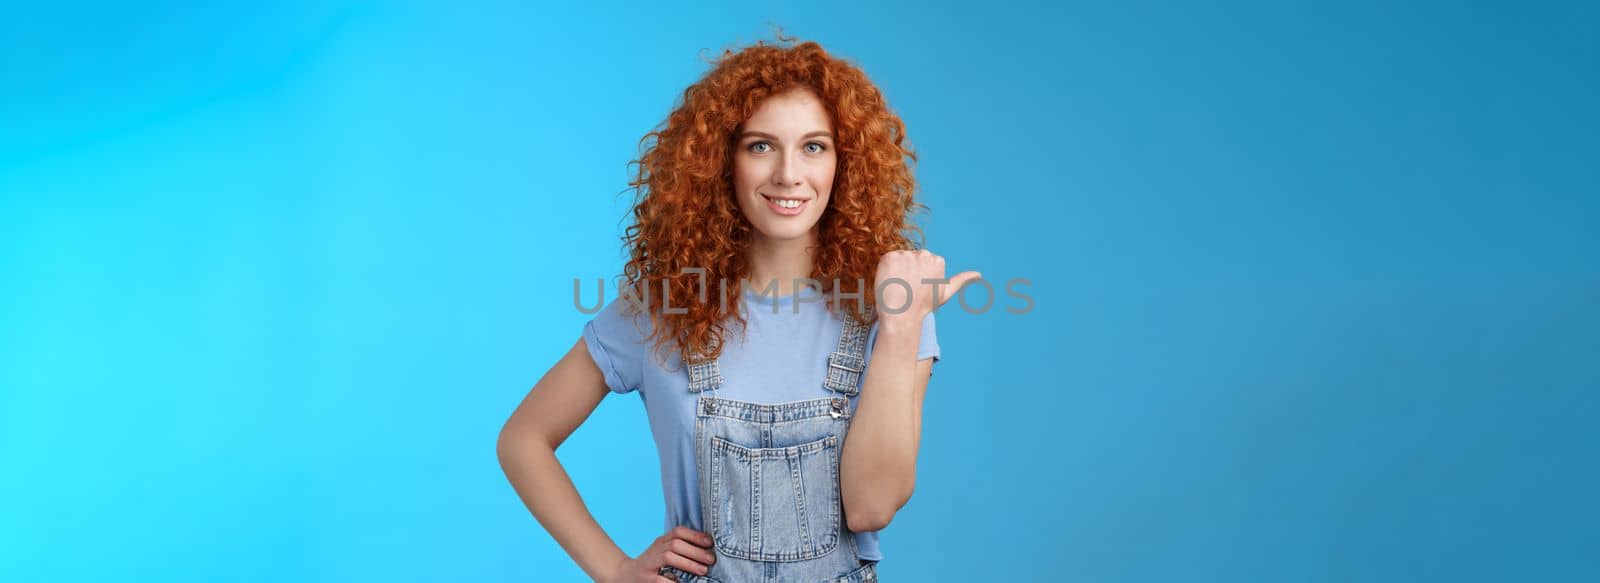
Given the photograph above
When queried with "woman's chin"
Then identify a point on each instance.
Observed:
(787, 232)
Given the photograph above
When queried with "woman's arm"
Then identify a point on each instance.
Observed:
(879, 466)
(558, 403)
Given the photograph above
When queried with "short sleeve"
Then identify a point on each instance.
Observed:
(616, 339)
(928, 345)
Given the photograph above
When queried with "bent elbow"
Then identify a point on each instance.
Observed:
(867, 520)
(874, 515)
(503, 445)
(866, 524)
(510, 443)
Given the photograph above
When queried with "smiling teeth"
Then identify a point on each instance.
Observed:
(788, 204)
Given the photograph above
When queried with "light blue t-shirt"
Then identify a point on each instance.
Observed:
(778, 358)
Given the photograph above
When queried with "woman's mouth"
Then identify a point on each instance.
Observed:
(786, 206)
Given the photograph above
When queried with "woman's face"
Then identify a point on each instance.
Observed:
(783, 163)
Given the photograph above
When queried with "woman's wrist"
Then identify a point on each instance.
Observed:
(906, 324)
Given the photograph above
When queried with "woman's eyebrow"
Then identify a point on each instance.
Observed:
(753, 133)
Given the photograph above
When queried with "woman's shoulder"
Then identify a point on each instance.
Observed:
(626, 317)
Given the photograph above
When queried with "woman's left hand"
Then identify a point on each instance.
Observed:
(908, 282)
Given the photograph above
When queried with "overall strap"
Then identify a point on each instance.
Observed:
(704, 375)
(848, 360)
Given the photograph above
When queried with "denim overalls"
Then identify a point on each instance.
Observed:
(769, 478)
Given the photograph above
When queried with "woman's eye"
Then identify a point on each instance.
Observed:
(759, 147)
(815, 147)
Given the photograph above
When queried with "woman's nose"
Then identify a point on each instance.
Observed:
(787, 173)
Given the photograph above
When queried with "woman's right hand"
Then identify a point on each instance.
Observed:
(684, 548)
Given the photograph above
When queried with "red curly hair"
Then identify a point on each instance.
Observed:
(685, 214)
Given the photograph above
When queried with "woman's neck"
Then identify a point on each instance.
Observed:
(779, 264)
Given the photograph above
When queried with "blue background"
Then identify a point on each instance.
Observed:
(1316, 287)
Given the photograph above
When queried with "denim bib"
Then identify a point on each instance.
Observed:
(769, 478)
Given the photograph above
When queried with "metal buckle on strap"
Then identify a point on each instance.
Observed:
(847, 362)
(844, 372)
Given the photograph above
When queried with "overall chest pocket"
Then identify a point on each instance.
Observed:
(775, 504)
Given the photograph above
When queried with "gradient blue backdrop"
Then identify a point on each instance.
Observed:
(1316, 287)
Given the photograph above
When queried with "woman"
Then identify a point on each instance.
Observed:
(782, 451)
